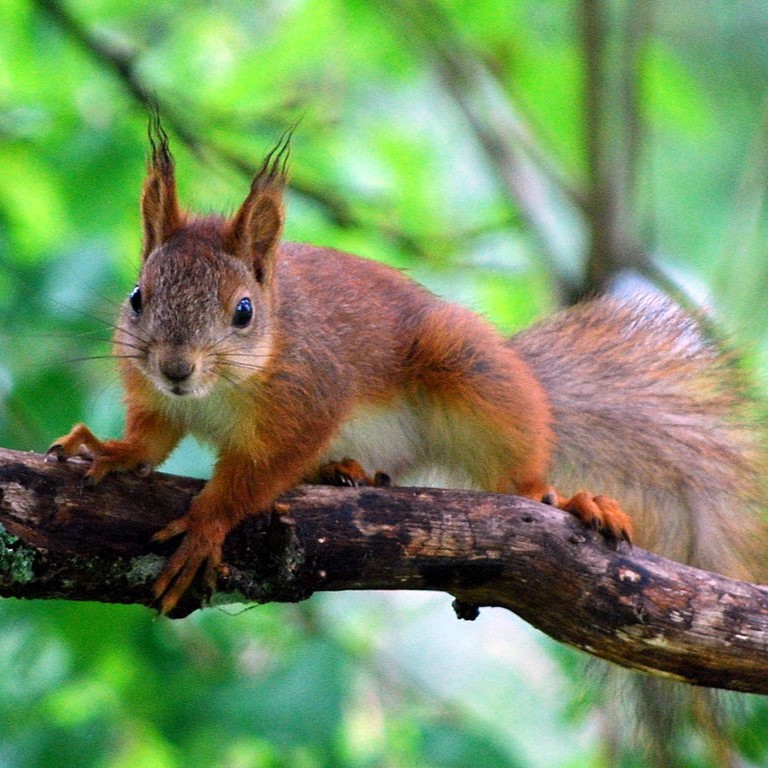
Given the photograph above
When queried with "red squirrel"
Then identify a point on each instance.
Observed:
(289, 359)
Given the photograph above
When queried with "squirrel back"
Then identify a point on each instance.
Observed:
(650, 410)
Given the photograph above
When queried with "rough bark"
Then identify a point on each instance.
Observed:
(60, 539)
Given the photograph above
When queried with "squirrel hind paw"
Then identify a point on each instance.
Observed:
(350, 474)
(602, 513)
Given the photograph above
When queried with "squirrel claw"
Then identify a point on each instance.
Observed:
(55, 453)
(347, 473)
(145, 469)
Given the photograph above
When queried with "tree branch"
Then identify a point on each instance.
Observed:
(60, 539)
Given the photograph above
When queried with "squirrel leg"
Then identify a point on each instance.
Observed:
(600, 512)
(215, 511)
(238, 488)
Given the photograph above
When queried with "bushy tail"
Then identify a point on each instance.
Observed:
(648, 410)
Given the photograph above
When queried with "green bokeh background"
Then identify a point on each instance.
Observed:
(385, 164)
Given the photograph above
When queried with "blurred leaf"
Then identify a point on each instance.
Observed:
(31, 203)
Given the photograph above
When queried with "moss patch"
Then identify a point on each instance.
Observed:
(145, 568)
(16, 559)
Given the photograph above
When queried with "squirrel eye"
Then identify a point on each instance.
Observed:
(243, 313)
(135, 300)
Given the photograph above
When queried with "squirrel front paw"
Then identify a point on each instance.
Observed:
(202, 545)
(600, 512)
(105, 456)
(79, 441)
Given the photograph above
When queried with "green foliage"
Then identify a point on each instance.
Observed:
(387, 164)
(278, 686)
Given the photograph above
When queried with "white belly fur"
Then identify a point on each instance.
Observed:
(414, 441)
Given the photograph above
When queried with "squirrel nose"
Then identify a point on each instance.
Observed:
(177, 371)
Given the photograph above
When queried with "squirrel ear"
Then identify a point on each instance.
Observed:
(159, 207)
(254, 232)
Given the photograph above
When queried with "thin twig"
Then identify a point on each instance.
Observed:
(612, 50)
(547, 199)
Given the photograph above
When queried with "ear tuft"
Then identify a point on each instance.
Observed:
(159, 206)
(160, 157)
(253, 233)
(274, 166)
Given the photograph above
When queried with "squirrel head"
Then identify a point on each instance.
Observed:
(200, 315)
